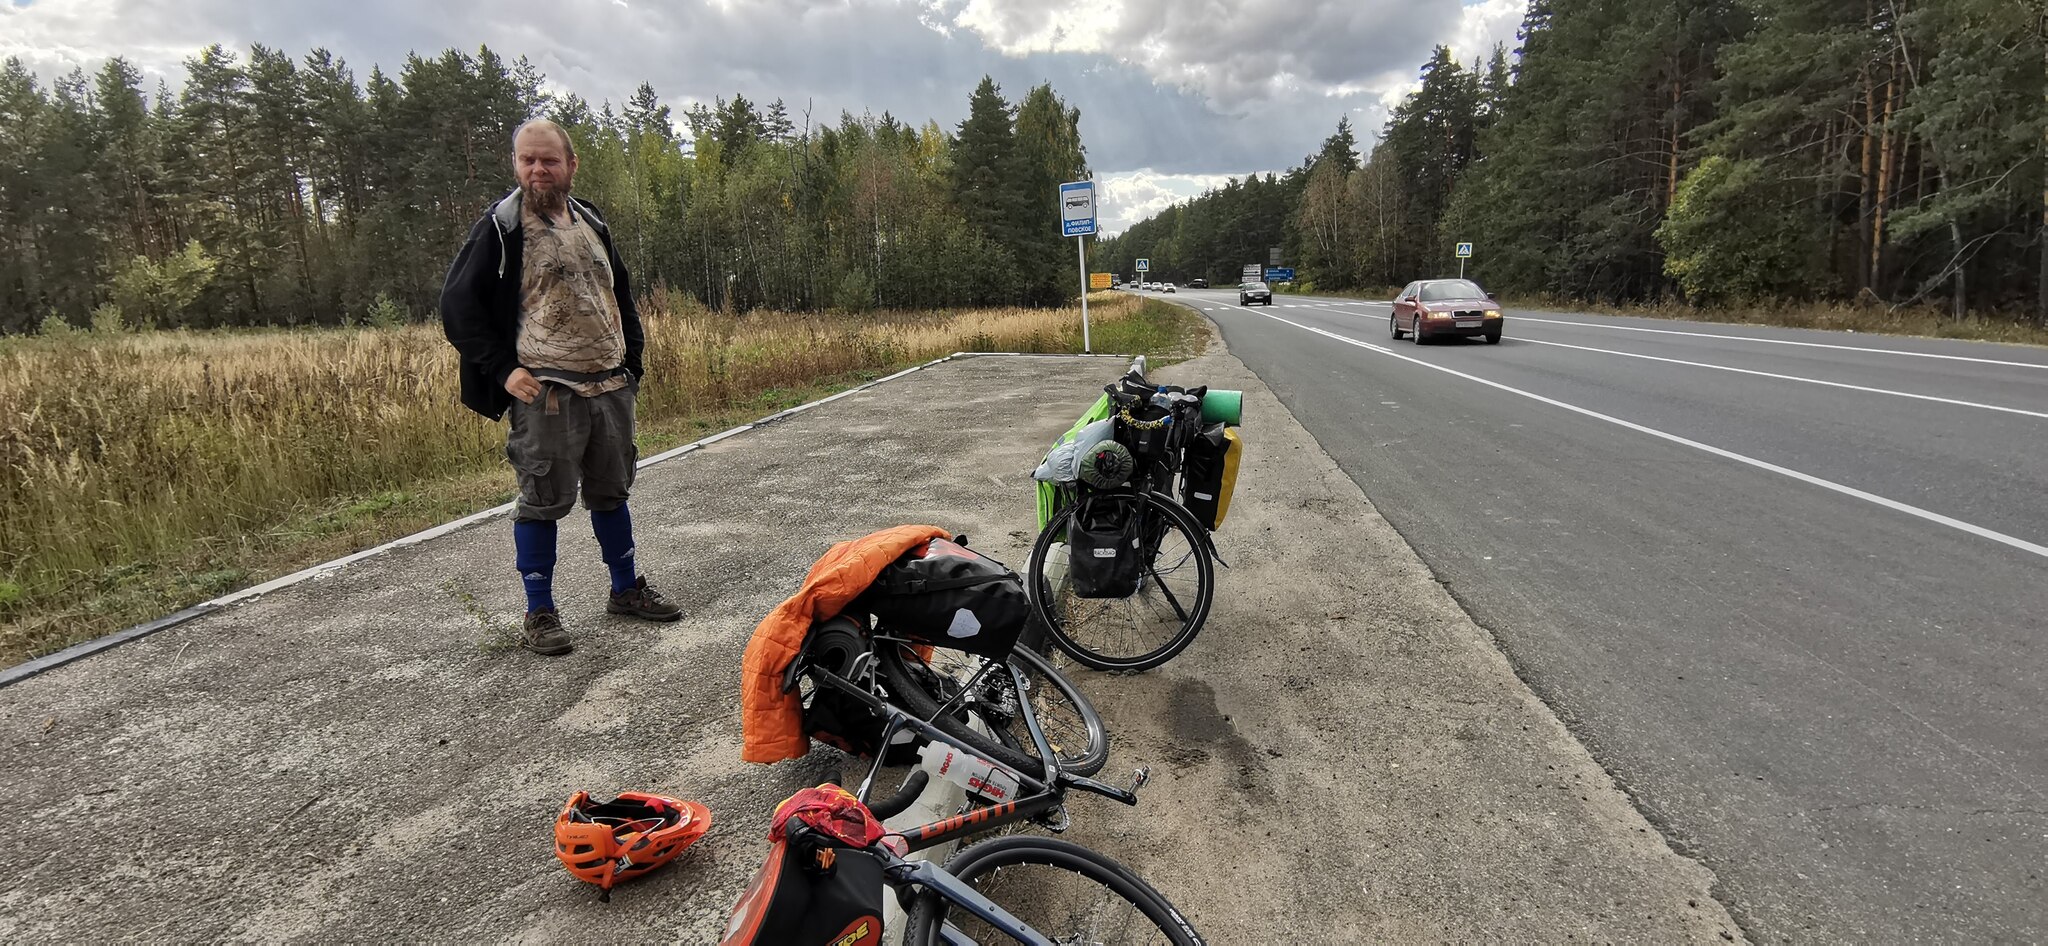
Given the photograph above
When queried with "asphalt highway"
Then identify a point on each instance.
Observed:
(1790, 587)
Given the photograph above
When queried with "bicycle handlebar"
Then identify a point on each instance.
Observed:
(895, 804)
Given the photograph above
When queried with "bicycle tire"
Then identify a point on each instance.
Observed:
(983, 860)
(1196, 613)
(1050, 687)
(919, 692)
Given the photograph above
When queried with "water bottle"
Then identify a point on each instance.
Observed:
(971, 772)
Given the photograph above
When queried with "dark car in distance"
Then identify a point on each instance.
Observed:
(1198, 283)
(1254, 293)
(1436, 308)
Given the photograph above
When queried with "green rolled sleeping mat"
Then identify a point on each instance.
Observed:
(1225, 407)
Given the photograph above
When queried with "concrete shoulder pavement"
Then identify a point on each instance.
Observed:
(1341, 753)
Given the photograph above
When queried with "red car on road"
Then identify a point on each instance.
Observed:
(1433, 308)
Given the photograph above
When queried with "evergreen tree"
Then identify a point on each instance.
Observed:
(1049, 153)
(985, 185)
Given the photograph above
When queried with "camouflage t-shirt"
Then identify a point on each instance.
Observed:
(568, 317)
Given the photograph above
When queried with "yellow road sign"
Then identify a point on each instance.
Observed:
(1098, 280)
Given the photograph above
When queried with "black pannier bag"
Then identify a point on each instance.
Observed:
(1103, 558)
(824, 897)
(948, 595)
(1201, 485)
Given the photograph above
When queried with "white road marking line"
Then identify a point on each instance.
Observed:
(1784, 341)
(1892, 504)
(1788, 377)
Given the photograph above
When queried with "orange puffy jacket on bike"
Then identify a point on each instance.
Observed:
(772, 720)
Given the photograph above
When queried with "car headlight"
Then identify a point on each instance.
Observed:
(1493, 313)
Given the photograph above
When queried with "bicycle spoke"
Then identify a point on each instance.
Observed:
(1137, 624)
(1178, 611)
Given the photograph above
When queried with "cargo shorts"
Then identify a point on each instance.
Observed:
(563, 441)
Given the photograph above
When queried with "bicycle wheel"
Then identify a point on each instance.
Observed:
(1065, 715)
(1066, 892)
(1143, 630)
(1071, 725)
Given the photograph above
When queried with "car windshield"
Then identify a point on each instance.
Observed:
(1256, 286)
(1451, 289)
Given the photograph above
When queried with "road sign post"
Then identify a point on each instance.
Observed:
(1464, 253)
(1077, 220)
(1081, 252)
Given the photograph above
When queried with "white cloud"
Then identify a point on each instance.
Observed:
(1483, 24)
(1241, 56)
(1018, 28)
(1183, 89)
(1130, 196)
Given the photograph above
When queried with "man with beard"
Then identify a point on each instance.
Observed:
(540, 309)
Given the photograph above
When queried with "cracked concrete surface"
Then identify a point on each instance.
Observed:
(1342, 753)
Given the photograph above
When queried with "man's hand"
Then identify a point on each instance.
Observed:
(521, 384)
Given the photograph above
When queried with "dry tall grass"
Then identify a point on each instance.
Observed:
(120, 458)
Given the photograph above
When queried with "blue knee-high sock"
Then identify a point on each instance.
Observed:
(534, 542)
(614, 530)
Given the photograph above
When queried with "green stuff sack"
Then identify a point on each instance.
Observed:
(1107, 466)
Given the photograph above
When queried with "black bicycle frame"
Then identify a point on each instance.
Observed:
(1044, 795)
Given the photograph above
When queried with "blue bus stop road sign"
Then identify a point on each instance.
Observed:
(1077, 208)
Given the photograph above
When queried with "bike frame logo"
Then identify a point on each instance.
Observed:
(960, 821)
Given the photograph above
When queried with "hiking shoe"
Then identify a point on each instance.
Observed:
(642, 601)
(544, 634)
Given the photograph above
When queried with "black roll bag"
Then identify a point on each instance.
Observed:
(948, 595)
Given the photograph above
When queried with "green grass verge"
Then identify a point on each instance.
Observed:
(126, 594)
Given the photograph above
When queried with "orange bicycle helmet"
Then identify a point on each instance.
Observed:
(604, 843)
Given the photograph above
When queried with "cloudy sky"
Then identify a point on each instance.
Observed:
(1175, 95)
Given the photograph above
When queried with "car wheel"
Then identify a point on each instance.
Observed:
(1415, 328)
(1394, 327)
(1493, 338)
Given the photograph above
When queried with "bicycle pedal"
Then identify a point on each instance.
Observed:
(1144, 776)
